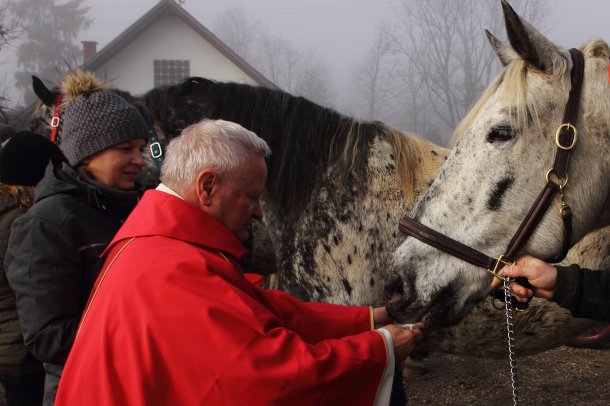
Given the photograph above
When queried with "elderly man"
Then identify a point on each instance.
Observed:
(173, 321)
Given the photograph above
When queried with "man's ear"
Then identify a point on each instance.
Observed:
(206, 183)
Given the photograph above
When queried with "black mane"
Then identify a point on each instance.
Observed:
(304, 138)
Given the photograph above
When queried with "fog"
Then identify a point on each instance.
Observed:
(340, 31)
(338, 34)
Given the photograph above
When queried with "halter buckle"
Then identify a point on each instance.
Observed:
(155, 150)
(494, 271)
(558, 133)
(54, 121)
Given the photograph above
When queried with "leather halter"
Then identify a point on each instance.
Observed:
(565, 139)
(156, 149)
(55, 119)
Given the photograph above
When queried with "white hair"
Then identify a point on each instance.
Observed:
(218, 144)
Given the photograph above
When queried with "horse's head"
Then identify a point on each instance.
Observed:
(503, 149)
(40, 121)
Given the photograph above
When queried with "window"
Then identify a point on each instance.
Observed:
(171, 71)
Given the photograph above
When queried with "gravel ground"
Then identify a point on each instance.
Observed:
(562, 376)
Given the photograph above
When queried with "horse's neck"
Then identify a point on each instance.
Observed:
(381, 199)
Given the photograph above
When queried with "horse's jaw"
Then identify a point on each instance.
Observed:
(431, 288)
(405, 311)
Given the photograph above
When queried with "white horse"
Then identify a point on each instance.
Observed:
(503, 149)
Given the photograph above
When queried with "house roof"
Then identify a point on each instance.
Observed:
(169, 7)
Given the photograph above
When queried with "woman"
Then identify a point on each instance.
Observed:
(22, 163)
(54, 251)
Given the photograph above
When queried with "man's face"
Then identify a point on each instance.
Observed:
(235, 201)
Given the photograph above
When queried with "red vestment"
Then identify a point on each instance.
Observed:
(173, 321)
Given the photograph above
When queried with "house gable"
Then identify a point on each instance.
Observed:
(172, 37)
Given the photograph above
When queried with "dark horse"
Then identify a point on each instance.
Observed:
(336, 186)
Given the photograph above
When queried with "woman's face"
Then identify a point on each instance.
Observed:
(118, 166)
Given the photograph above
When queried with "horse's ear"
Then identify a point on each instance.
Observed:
(45, 95)
(532, 46)
(502, 49)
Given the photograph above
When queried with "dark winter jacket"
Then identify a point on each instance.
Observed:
(53, 260)
(584, 292)
(15, 358)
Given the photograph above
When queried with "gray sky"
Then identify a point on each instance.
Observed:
(340, 31)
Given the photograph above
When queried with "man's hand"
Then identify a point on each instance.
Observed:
(539, 274)
(404, 339)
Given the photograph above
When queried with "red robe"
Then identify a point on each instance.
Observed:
(173, 321)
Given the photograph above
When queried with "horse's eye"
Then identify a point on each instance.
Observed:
(500, 134)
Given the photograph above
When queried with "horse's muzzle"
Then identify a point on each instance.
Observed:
(396, 300)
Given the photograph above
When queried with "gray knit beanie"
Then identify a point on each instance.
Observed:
(96, 121)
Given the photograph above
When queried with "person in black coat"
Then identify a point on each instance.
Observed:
(53, 257)
(22, 164)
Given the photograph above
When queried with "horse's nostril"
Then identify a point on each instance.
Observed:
(394, 286)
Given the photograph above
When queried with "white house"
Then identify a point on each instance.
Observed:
(166, 45)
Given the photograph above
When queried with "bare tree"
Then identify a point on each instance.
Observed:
(312, 79)
(48, 44)
(297, 72)
(414, 111)
(438, 39)
(10, 27)
(373, 81)
(238, 32)
(10, 30)
(442, 59)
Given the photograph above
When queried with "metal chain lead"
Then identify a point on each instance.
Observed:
(510, 328)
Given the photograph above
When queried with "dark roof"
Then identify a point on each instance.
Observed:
(165, 7)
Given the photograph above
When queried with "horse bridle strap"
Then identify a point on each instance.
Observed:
(566, 136)
(440, 241)
(565, 139)
(156, 149)
(55, 119)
